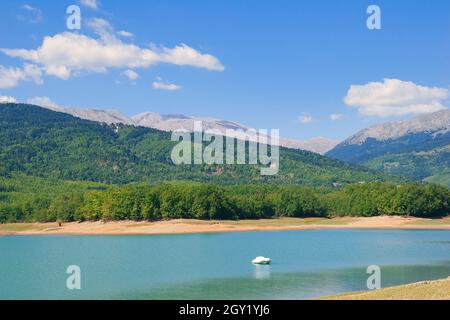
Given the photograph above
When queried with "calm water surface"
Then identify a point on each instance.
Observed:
(217, 266)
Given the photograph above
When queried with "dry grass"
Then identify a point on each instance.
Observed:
(425, 290)
(431, 222)
(16, 226)
(280, 222)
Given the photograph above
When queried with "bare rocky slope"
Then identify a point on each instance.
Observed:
(181, 122)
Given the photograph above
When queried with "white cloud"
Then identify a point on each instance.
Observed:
(102, 28)
(184, 55)
(7, 99)
(28, 7)
(336, 116)
(10, 77)
(44, 102)
(305, 118)
(125, 34)
(66, 53)
(31, 14)
(160, 84)
(394, 97)
(130, 74)
(93, 4)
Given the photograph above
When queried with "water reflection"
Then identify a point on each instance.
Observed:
(261, 271)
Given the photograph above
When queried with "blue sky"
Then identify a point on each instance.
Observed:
(267, 64)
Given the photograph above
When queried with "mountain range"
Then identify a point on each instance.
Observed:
(181, 122)
(45, 143)
(419, 147)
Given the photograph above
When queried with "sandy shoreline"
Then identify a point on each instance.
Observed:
(199, 226)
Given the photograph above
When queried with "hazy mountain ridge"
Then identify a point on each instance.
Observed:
(182, 122)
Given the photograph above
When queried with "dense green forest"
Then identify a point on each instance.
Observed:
(44, 143)
(24, 198)
(54, 166)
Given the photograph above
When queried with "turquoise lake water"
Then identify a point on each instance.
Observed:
(217, 266)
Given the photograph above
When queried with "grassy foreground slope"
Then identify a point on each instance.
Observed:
(425, 290)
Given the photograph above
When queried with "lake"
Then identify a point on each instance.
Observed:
(305, 264)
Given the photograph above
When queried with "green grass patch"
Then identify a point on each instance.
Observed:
(431, 222)
(16, 227)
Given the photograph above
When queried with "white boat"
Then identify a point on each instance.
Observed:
(261, 260)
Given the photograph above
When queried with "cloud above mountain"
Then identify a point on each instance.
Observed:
(394, 97)
(68, 53)
(7, 99)
(160, 84)
(305, 118)
(130, 74)
(336, 116)
(12, 76)
(44, 102)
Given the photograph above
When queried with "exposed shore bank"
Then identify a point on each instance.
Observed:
(182, 226)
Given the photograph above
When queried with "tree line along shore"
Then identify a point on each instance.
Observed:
(31, 199)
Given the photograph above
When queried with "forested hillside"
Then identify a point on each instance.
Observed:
(57, 167)
(45, 143)
(430, 165)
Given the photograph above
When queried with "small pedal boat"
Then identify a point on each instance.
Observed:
(261, 260)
